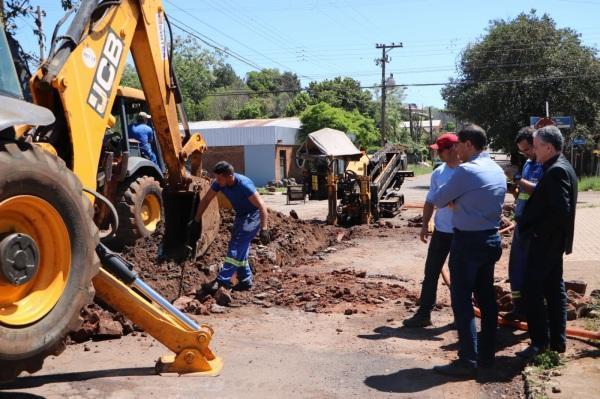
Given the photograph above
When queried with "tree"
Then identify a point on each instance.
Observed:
(324, 115)
(225, 76)
(130, 77)
(253, 109)
(507, 76)
(342, 93)
(299, 103)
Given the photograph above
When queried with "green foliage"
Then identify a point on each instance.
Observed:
(253, 109)
(547, 360)
(589, 183)
(352, 123)
(450, 127)
(130, 78)
(524, 57)
(272, 80)
(344, 93)
(299, 103)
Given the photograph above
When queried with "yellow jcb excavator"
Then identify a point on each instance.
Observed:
(51, 256)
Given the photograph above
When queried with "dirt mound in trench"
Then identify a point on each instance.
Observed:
(294, 242)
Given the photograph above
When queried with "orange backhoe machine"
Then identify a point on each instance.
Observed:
(52, 153)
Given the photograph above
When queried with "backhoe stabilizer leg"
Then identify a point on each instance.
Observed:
(146, 308)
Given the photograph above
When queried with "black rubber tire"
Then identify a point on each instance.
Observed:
(28, 170)
(129, 207)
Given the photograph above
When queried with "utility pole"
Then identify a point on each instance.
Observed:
(385, 49)
(410, 122)
(430, 135)
(39, 17)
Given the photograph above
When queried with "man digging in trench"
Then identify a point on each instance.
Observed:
(251, 217)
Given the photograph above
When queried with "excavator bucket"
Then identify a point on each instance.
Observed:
(179, 209)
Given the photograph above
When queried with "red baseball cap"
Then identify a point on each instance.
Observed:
(446, 140)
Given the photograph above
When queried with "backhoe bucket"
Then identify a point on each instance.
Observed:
(179, 208)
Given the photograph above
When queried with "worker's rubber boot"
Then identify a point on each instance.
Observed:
(243, 286)
(210, 288)
(418, 320)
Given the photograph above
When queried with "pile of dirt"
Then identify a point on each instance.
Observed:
(294, 242)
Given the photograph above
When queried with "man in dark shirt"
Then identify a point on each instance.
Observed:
(549, 222)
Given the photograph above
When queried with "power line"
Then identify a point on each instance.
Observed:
(454, 83)
(231, 38)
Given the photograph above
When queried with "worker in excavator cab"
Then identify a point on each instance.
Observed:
(251, 218)
(142, 132)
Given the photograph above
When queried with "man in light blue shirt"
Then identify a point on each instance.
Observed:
(476, 194)
(439, 246)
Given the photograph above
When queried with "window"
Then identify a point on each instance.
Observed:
(282, 164)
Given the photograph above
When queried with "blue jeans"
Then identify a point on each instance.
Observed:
(473, 256)
(544, 292)
(517, 262)
(438, 250)
(245, 228)
(146, 150)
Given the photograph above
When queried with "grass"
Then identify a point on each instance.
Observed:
(548, 360)
(593, 323)
(419, 169)
(264, 190)
(589, 183)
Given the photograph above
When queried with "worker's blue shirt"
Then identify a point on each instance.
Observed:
(238, 194)
(443, 215)
(477, 189)
(532, 172)
(140, 132)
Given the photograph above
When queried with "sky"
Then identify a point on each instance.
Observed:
(321, 39)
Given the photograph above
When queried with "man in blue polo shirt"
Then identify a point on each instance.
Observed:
(476, 193)
(251, 217)
(526, 182)
(439, 246)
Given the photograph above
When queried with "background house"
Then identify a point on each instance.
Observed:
(262, 149)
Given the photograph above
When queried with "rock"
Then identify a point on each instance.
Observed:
(330, 249)
(261, 295)
(571, 312)
(214, 308)
(348, 312)
(310, 307)
(339, 330)
(595, 293)
(294, 215)
(223, 297)
(272, 189)
(361, 273)
(274, 282)
(86, 348)
(182, 302)
(576, 285)
(556, 389)
(109, 329)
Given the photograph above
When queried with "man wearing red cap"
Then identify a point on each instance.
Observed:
(439, 246)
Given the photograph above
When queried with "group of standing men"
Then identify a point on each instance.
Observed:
(468, 193)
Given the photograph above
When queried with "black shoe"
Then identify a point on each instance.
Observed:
(560, 348)
(515, 315)
(530, 352)
(457, 369)
(418, 320)
(242, 286)
(485, 363)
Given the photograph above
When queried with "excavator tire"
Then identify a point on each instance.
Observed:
(41, 202)
(140, 209)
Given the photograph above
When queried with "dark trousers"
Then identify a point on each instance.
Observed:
(439, 247)
(473, 256)
(544, 293)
